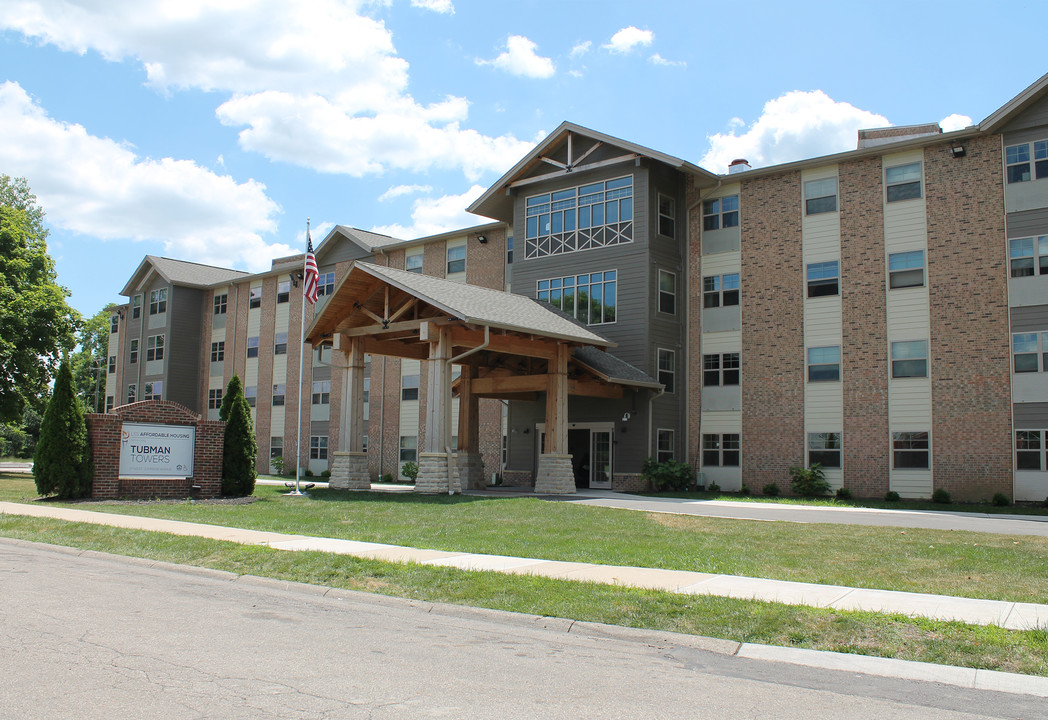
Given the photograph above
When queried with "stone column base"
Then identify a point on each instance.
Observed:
(471, 471)
(434, 477)
(555, 475)
(349, 471)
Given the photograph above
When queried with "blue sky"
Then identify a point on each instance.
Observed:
(210, 130)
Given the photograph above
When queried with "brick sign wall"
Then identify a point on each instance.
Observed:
(104, 434)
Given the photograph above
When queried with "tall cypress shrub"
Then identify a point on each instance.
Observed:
(62, 461)
(239, 447)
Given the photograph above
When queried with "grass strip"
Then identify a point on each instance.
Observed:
(962, 564)
(863, 633)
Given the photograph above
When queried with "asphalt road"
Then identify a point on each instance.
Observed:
(102, 637)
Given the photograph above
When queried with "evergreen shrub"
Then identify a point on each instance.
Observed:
(62, 461)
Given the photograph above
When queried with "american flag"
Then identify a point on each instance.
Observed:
(312, 278)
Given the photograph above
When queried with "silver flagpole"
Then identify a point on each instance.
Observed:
(301, 353)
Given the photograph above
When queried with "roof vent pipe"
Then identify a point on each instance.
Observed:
(739, 165)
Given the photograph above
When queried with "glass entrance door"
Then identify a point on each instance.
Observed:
(600, 456)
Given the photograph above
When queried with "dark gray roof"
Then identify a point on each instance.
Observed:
(485, 306)
(612, 368)
(180, 272)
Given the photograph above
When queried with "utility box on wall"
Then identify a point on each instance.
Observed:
(155, 449)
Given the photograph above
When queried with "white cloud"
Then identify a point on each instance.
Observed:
(657, 59)
(98, 187)
(628, 38)
(794, 126)
(955, 122)
(317, 133)
(581, 48)
(287, 66)
(521, 59)
(440, 6)
(401, 190)
(436, 215)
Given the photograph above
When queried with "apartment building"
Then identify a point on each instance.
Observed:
(882, 311)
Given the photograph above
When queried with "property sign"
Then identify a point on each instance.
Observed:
(163, 451)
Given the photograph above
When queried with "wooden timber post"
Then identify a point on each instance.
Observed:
(555, 474)
(436, 472)
(349, 465)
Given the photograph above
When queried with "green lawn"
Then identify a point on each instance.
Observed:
(864, 633)
(952, 563)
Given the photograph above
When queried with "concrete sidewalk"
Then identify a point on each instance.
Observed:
(1009, 615)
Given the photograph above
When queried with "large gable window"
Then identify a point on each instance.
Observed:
(579, 218)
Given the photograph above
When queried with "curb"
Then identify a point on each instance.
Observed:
(968, 678)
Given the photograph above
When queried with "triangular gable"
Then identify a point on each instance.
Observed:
(1027, 109)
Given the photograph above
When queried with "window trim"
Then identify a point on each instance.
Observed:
(715, 217)
(276, 446)
(671, 295)
(412, 449)
(911, 437)
(153, 390)
(1038, 256)
(546, 288)
(280, 344)
(318, 447)
(1039, 353)
(279, 394)
(136, 306)
(321, 394)
(251, 395)
(899, 278)
(254, 298)
(158, 301)
(455, 261)
(820, 286)
(409, 391)
(817, 366)
(219, 304)
(132, 352)
(667, 220)
(218, 351)
(825, 450)
(1041, 450)
(325, 284)
(727, 456)
(903, 189)
(114, 323)
(252, 346)
(669, 374)
(132, 393)
(663, 454)
(283, 291)
(723, 372)
(811, 202)
(155, 347)
(721, 295)
(897, 373)
(1036, 162)
(409, 258)
(214, 398)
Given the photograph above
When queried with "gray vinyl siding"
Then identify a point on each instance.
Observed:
(1033, 318)
(342, 252)
(1030, 125)
(1031, 416)
(523, 416)
(185, 309)
(1027, 223)
(316, 427)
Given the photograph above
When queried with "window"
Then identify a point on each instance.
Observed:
(590, 298)
(720, 213)
(158, 301)
(321, 392)
(218, 351)
(825, 449)
(667, 292)
(131, 391)
(325, 284)
(214, 399)
(220, 304)
(408, 448)
(579, 218)
(364, 444)
(910, 450)
(903, 182)
(1030, 448)
(112, 364)
(1017, 161)
(367, 389)
(720, 369)
(1029, 256)
(154, 347)
(823, 279)
(283, 291)
(255, 300)
(133, 355)
(109, 402)
(664, 445)
(820, 196)
(278, 395)
(409, 387)
(667, 368)
(136, 307)
(318, 447)
(667, 216)
(906, 269)
(250, 394)
(280, 346)
(720, 450)
(413, 262)
(276, 447)
(910, 359)
(824, 364)
(720, 290)
(114, 323)
(509, 250)
(154, 390)
(456, 259)
(1030, 352)
(252, 347)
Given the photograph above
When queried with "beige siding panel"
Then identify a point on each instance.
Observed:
(907, 219)
(409, 410)
(910, 403)
(1031, 486)
(721, 263)
(721, 422)
(822, 321)
(911, 483)
(1026, 291)
(823, 407)
(908, 317)
(729, 478)
(276, 421)
(1029, 387)
(722, 342)
(251, 372)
